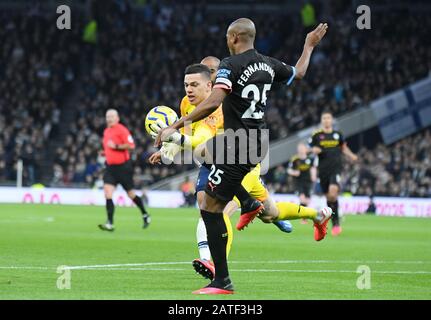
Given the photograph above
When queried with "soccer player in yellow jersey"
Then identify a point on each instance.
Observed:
(198, 87)
(197, 83)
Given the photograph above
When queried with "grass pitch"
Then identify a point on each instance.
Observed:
(132, 263)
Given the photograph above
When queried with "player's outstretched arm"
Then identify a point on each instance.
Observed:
(155, 158)
(203, 110)
(349, 153)
(311, 41)
(316, 150)
(293, 172)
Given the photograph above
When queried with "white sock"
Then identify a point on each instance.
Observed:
(201, 237)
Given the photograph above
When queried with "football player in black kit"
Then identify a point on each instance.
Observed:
(242, 84)
(329, 145)
(302, 168)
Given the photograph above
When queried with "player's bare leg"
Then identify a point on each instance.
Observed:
(108, 190)
(304, 201)
(270, 215)
(138, 201)
(332, 201)
(286, 210)
(283, 225)
(219, 233)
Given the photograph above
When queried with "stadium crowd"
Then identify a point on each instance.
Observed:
(137, 62)
(36, 64)
(132, 74)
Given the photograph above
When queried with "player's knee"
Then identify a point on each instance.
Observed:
(212, 204)
(332, 193)
(108, 193)
(200, 198)
(230, 208)
(330, 197)
(131, 194)
(265, 218)
(270, 214)
(303, 198)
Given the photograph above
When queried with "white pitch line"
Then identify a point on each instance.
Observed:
(251, 262)
(126, 265)
(260, 270)
(335, 262)
(117, 266)
(26, 267)
(254, 262)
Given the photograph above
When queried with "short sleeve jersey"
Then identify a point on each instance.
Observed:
(330, 159)
(303, 166)
(248, 78)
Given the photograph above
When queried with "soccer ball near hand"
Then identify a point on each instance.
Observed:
(160, 116)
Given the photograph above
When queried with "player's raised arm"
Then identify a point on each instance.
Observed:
(311, 41)
(203, 110)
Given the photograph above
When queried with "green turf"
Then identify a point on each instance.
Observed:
(265, 263)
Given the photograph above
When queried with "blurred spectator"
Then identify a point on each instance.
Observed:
(36, 63)
(29, 163)
(371, 207)
(188, 190)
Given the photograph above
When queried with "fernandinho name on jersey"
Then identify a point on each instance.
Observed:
(252, 68)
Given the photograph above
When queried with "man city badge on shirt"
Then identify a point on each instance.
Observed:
(308, 161)
(336, 136)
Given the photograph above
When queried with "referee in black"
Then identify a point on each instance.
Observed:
(117, 141)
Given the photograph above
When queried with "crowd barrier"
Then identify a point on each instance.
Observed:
(385, 206)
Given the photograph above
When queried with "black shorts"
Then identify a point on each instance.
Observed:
(303, 187)
(119, 174)
(328, 179)
(225, 179)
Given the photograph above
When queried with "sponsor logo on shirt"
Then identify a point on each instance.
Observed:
(223, 73)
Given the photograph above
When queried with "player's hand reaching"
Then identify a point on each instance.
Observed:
(314, 37)
(295, 173)
(157, 127)
(354, 157)
(167, 134)
(155, 158)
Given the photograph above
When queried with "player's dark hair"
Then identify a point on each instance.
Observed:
(198, 68)
(326, 112)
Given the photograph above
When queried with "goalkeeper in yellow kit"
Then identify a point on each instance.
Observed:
(198, 85)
